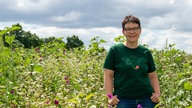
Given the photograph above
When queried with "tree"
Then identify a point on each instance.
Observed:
(74, 42)
(11, 32)
(49, 39)
(29, 40)
(22, 38)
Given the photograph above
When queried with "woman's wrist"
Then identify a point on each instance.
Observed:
(158, 94)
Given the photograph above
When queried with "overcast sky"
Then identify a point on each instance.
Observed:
(160, 19)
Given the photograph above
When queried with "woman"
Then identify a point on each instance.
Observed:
(130, 79)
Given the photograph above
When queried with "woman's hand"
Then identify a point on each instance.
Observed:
(155, 97)
(113, 101)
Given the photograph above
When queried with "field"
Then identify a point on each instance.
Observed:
(50, 76)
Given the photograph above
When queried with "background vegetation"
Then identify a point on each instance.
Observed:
(38, 72)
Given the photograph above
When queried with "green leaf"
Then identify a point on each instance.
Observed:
(73, 100)
(89, 96)
(1, 42)
(15, 28)
(189, 106)
(38, 68)
(3, 32)
(188, 85)
(102, 41)
(9, 39)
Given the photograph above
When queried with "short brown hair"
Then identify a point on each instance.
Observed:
(130, 18)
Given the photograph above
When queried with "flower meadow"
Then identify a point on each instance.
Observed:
(51, 76)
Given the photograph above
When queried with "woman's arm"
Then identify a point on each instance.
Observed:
(108, 86)
(155, 85)
(108, 81)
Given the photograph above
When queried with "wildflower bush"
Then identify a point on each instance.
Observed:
(50, 76)
(174, 68)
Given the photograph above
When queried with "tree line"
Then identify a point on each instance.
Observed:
(29, 40)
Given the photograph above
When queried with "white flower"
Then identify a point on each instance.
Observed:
(93, 106)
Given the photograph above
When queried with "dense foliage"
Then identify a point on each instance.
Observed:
(28, 40)
(52, 76)
(21, 38)
(174, 68)
(73, 42)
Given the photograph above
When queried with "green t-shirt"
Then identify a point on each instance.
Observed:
(130, 70)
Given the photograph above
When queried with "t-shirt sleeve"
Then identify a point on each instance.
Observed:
(109, 62)
(151, 64)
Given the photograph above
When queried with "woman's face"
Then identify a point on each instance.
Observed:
(132, 32)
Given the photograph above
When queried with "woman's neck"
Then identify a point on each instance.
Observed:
(131, 45)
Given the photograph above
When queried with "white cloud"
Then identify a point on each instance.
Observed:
(71, 16)
(86, 35)
(157, 39)
(28, 6)
(188, 2)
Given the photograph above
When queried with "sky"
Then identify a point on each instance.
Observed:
(161, 20)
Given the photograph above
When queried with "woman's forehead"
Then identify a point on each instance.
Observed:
(131, 24)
